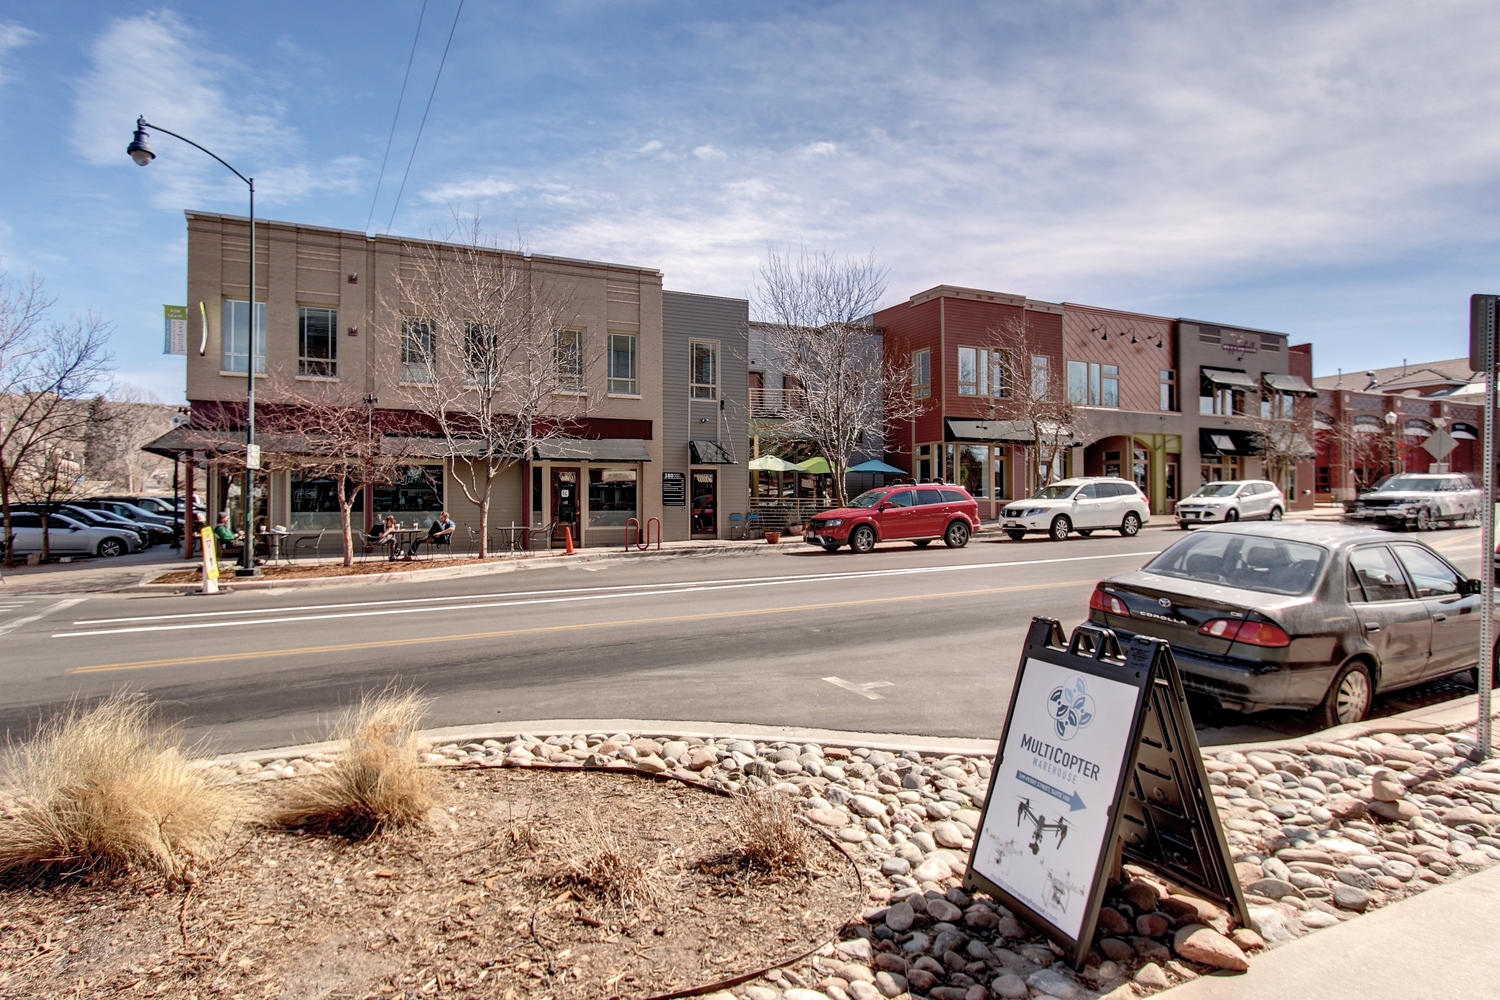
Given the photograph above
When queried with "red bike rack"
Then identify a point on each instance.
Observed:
(642, 540)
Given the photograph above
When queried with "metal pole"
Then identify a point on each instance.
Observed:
(1484, 669)
(252, 460)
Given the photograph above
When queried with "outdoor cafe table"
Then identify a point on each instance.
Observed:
(511, 536)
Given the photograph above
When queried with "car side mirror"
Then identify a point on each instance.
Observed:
(1469, 587)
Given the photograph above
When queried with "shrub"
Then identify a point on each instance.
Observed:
(774, 841)
(376, 782)
(596, 866)
(107, 791)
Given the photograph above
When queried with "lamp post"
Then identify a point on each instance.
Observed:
(1390, 426)
(140, 151)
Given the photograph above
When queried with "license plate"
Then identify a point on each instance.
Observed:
(810, 537)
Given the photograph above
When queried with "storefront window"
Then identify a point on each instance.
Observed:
(972, 462)
(416, 493)
(315, 504)
(612, 497)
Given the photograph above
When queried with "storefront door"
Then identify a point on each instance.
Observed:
(567, 505)
(705, 519)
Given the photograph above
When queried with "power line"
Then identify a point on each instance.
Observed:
(430, 96)
(410, 58)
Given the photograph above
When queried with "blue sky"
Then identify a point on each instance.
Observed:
(1326, 169)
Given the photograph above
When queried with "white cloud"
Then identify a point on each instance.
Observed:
(709, 153)
(821, 148)
(478, 188)
(651, 148)
(12, 37)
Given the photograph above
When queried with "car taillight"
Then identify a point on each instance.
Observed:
(1108, 603)
(1250, 633)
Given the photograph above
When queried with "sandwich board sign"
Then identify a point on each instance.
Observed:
(1098, 762)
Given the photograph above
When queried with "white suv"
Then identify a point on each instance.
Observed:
(1231, 500)
(1082, 505)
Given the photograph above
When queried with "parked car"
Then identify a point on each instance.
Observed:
(1231, 500)
(913, 513)
(1304, 616)
(1420, 500)
(1081, 505)
(162, 529)
(137, 534)
(66, 537)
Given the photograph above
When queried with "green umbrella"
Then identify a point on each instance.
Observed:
(818, 466)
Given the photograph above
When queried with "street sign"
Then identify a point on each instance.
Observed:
(1098, 760)
(1439, 444)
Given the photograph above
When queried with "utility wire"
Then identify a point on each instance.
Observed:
(410, 58)
(430, 96)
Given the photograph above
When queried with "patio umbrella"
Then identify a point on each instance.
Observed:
(770, 463)
(876, 465)
(817, 466)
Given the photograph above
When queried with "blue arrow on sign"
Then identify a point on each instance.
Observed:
(1073, 800)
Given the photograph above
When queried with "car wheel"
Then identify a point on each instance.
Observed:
(922, 543)
(1349, 697)
(1131, 526)
(1231, 515)
(830, 546)
(1085, 532)
(957, 535)
(1016, 536)
(862, 539)
(1275, 513)
(109, 548)
(1424, 519)
(1060, 528)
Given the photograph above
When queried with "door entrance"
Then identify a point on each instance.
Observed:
(705, 516)
(567, 512)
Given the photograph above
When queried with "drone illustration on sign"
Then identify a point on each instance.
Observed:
(1040, 825)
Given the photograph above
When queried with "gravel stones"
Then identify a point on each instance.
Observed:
(1317, 832)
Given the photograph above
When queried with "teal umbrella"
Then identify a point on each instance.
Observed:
(876, 465)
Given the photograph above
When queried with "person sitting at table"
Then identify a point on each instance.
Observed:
(440, 533)
(226, 536)
(384, 534)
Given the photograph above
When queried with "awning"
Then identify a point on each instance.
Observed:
(1464, 432)
(1291, 384)
(180, 439)
(1226, 442)
(431, 447)
(593, 450)
(709, 452)
(1219, 376)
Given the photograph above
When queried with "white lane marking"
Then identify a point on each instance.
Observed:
(60, 605)
(624, 590)
(863, 690)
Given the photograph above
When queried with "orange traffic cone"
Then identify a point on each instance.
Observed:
(568, 538)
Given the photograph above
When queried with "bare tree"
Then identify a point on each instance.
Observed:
(1282, 445)
(117, 428)
(488, 357)
(46, 369)
(1363, 449)
(1031, 394)
(815, 310)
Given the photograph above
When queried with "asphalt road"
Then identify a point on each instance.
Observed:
(904, 640)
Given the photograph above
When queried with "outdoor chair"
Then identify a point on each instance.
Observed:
(473, 540)
(306, 542)
(540, 537)
(737, 526)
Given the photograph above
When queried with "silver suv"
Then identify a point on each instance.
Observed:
(1231, 500)
(1080, 505)
(1420, 500)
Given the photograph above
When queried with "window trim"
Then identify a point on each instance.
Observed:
(921, 373)
(415, 369)
(623, 385)
(567, 360)
(230, 334)
(703, 391)
(308, 363)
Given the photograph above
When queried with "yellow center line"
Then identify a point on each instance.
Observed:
(346, 647)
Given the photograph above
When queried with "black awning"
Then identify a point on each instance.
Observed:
(1239, 380)
(1222, 441)
(1018, 431)
(593, 450)
(706, 452)
(1291, 384)
(1464, 432)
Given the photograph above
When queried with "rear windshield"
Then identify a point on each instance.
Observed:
(1248, 562)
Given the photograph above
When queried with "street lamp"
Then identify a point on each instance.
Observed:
(1390, 426)
(140, 151)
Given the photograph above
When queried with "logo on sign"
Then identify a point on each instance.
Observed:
(1072, 708)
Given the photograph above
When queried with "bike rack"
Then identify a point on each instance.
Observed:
(642, 540)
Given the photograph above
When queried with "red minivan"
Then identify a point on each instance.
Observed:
(909, 513)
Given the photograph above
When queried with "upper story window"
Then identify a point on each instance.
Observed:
(237, 336)
(1168, 384)
(703, 364)
(317, 341)
(622, 371)
(1093, 384)
(981, 372)
(418, 350)
(1277, 405)
(921, 374)
(567, 353)
(1041, 376)
(481, 350)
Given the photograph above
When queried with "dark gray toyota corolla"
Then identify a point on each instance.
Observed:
(1299, 615)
